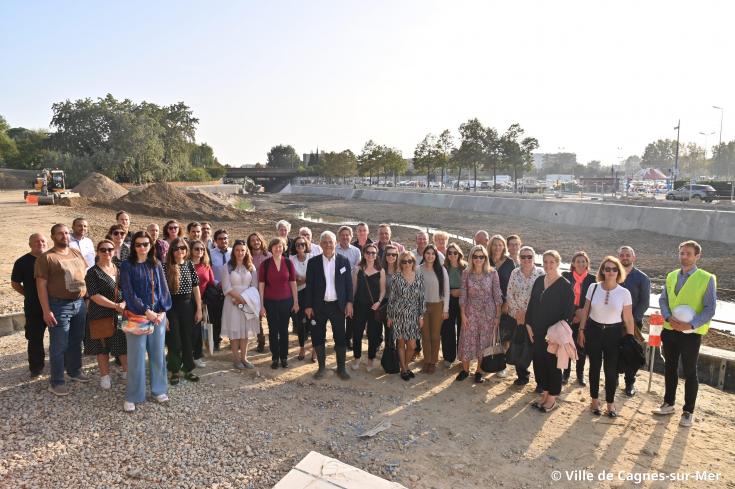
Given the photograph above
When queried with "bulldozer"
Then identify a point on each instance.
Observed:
(49, 187)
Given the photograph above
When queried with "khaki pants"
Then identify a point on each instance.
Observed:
(431, 331)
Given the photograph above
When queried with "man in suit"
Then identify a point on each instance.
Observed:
(329, 297)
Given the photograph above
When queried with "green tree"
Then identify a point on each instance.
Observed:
(446, 148)
(8, 148)
(427, 156)
(632, 164)
(392, 162)
(283, 156)
(659, 154)
(723, 160)
(517, 153)
(334, 165)
(471, 151)
(367, 161)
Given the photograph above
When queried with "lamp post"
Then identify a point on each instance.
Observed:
(722, 116)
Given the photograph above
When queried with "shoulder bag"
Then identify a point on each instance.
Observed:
(139, 324)
(380, 313)
(493, 358)
(100, 329)
(390, 361)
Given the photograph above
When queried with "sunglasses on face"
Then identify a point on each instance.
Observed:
(142, 245)
(452, 253)
(611, 269)
(301, 245)
(105, 250)
(118, 233)
(406, 262)
(370, 253)
(392, 254)
(181, 248)
(526, 257)
(478, 257)
(173, 227)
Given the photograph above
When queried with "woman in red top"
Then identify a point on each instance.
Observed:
(277, 287)
(200, 259)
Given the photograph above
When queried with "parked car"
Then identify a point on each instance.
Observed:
(694, 192)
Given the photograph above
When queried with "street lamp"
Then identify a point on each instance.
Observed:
(722, 116)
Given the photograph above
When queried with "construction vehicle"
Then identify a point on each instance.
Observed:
(49, 187)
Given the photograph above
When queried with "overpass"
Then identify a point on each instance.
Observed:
(273, 179)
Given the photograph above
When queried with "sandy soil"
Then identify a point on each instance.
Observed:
(444, 434)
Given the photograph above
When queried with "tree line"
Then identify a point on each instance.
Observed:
(126, 141)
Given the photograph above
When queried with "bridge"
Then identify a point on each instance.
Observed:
(273, 179)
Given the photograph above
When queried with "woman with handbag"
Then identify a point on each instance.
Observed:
(480, 299)
(552, 300)
(146, 296)
(500, 260)
(369, 285)
(451, 327)
(581, 279)
(519, 293)
(300, 322)
(203, 269)
(103, 338)
(607, 314)
(406, 307)
(436, 296)
(116, 234)
(239, 327)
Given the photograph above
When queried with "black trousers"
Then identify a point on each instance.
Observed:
(450, 331)
(677, 344)
(179, 334)
(632, 370)
(329, 311)
(300, 322)
(349, 329)
(278, 314)
(581, 355)
(215, 316)
(603, 344)
(365, 317)
(35, 328)
(548, 376)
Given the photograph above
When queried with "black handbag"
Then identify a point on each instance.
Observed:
(520, 354)
(213, 295)
(493, 358)
(390, 361)
(507, 328)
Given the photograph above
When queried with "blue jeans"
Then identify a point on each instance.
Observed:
(138, 345)
(65, 339)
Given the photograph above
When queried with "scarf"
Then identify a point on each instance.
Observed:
(578, 279)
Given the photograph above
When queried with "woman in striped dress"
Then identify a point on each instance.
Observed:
(405, 310)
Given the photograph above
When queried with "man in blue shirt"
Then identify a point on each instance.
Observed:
(639, 286)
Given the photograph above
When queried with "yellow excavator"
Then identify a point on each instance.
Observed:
(48, 188)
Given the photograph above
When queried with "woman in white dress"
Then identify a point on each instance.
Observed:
(239, 322)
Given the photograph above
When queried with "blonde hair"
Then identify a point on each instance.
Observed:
(486, 268)
(498, 237)
(614, 260)
(403, 256)
(554, 254)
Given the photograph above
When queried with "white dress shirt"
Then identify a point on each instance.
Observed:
(85, 247)
(330, 292)
(219, 262)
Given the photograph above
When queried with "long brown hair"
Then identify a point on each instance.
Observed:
(363, 260)
(247, 260)
(461, 263)
(396, 267)
(204, 260)
(173, 274)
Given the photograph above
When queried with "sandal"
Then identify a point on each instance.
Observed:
(191, 377)
(478, 378)
(596, 411)
(174, 380)
(548, 409)
(612, 414)
(405, 376)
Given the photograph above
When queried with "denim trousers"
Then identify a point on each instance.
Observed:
(138, 345)
(65, 339)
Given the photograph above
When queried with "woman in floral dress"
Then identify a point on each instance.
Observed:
(405, 310)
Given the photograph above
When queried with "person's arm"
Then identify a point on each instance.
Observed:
(292, 283)
(382, 287)
(391, 308)
(42, 288)
(354, 284)
(583, 323)
(445, 295)
(350, 291)
(261, 291)
(628, 319)
(644, 298)
(710, 304)
(18, 287)
(164, 300)
(531, 310)
(197, 293)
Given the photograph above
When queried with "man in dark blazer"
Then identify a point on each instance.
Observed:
(329, 297)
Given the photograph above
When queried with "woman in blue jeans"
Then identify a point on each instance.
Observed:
(146, 293)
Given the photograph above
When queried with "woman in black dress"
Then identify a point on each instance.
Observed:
(105, 302)
(552, 300)
(369, 286)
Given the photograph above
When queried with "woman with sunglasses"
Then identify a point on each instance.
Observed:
(145, 292)
(406, 308)
(239, 322)
(369, 286)
(436, 295)
(390, 266)
(519, 293)
(172, 230)
(479, 304)
(552, 300)
(451, 327)
(581, 279)
(105, 301)
(200, 259)
(186, 309)
(609, 309)
(116, 234)
(299, 319)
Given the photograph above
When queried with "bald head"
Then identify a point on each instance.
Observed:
(38, 243)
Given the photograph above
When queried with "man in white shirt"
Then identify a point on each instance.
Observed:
(422, 239)
(220, 256)
(79, 241)
(344, 248)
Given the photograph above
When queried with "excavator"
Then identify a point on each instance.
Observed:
(48, 188)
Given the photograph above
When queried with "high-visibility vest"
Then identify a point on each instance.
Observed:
(691, 294)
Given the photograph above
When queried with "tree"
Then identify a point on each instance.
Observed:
(8, 148)
(342, 164)
(659, 154)
(391, 161)
(446, 147)
(472, 149)
(723, 159)
(367, 161)
(516, 153)
(427, 156)
(282, 156)
(632, 164)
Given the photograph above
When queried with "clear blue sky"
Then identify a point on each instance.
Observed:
(598, 79)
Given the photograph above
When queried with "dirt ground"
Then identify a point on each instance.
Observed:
(444, 434)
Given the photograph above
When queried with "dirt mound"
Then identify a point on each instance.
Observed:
(165, 200)
(76, 202)
(98, 188)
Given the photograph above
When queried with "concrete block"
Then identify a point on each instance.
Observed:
(6, 325)
(19, 321)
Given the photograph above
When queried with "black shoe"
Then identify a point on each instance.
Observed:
(539, 389)
(580, 381)
(216, 347)
(174, 379)
(405, 376)
(284, 363)
(478, 378)
(520, 382)
(565, 380)
(35, 373)
(410, 373)
(630, 391)
(191, 377)
(462, 375)
(274, 365)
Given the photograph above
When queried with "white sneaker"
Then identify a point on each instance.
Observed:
(199, 363)
(503, 373)
(370, 366)
(128, 407)
(124, 374)
(447, 364)
(687, 419)
(161, 398)
(355, 364)
(105, 382)
(664, 409)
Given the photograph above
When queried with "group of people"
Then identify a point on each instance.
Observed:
(418, 301)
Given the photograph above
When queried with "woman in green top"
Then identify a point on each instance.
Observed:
(454, 263)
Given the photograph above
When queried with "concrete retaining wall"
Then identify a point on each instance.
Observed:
(225, 188)
(712, 225)
(10, 323)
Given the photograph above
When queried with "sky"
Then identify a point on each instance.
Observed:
(601, 79)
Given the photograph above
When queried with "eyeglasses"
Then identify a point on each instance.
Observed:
(181, 248)
(478, 257)
(370, 253)
(118, 233)
(173, 227)
(301, 245)
(406, 262)
(526, 257)
(143, 245)
(392, 254)
(610, 269)
(105, 250)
